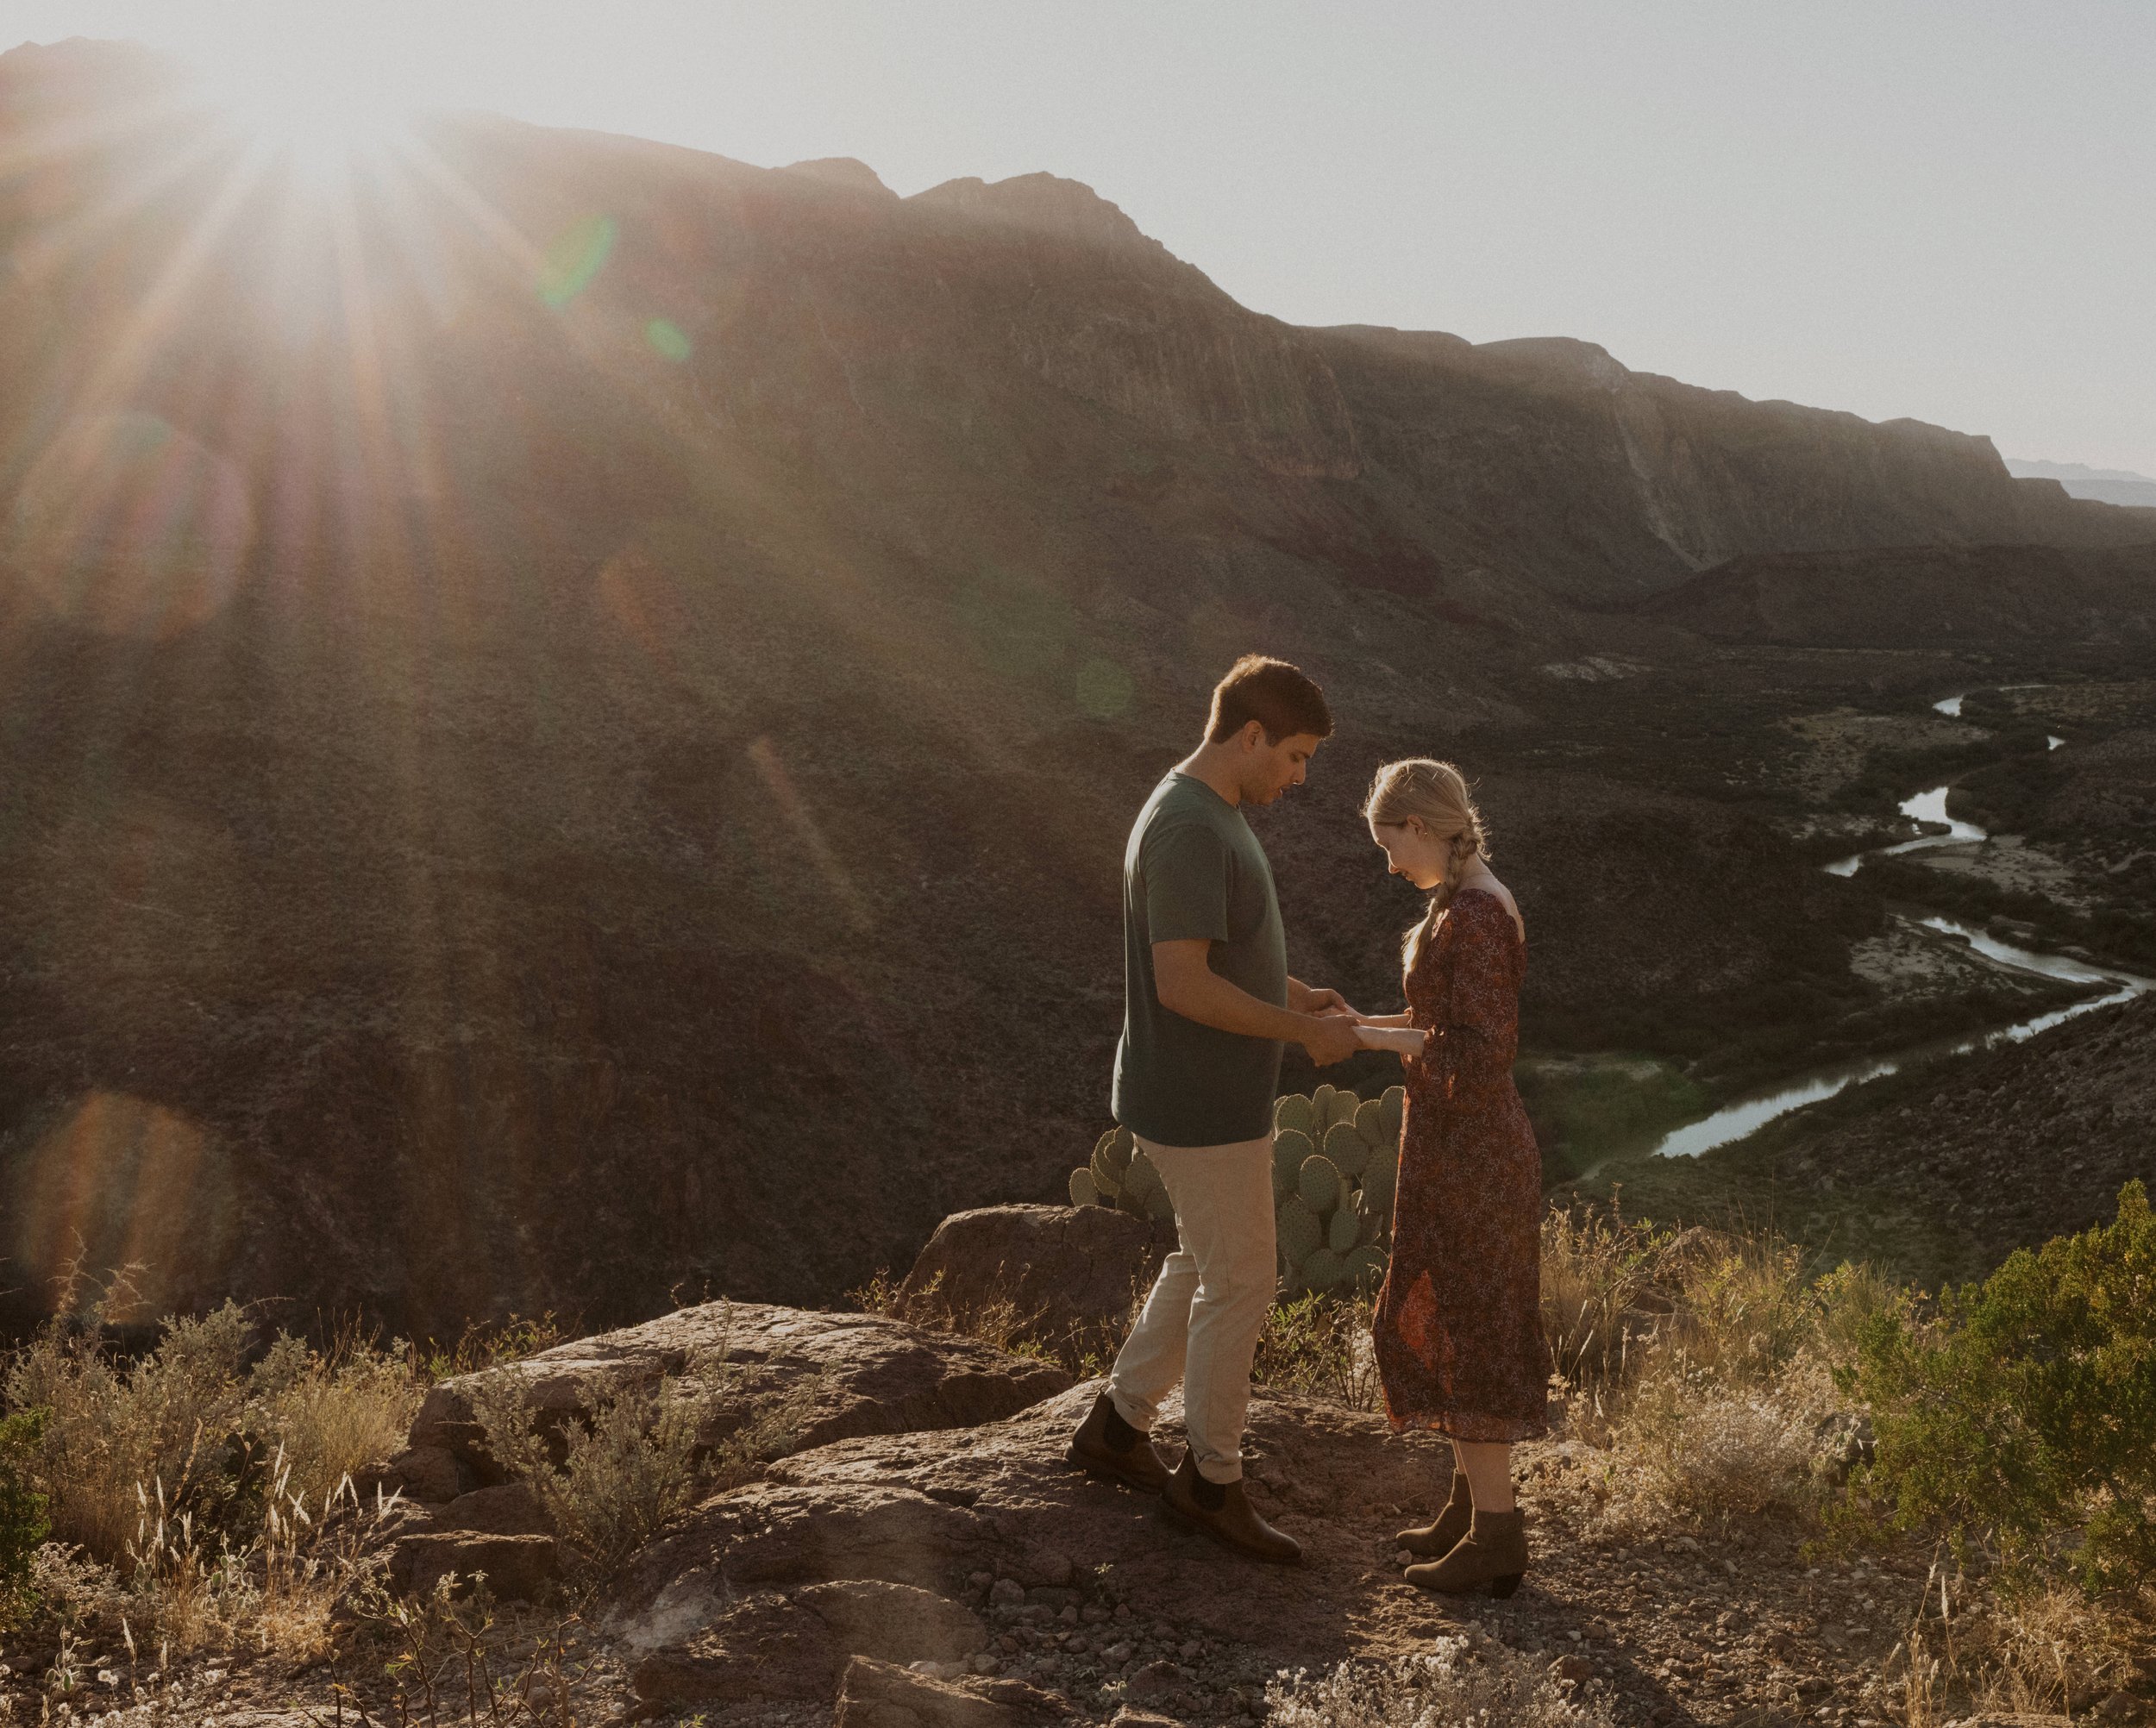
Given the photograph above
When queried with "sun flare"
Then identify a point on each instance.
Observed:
(316, 113)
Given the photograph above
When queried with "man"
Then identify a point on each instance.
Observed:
(1207, 1005)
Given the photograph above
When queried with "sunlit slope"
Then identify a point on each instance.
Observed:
(571, 705)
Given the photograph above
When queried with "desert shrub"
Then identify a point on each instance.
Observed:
(328, 1413)
(1461, 1681)
(2022, 1416)
(1319, 1346)
(1717, 1399)
(485, 1345)
(24, 1525)
(112, 1429)
(628, 1465)
(1600, 1294)
(611, 1476)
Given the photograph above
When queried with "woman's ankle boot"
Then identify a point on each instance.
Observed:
(1433, 1540)
(1493, 1552)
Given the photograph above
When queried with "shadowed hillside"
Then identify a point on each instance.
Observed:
(571, 705)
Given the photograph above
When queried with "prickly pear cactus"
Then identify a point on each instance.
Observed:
(1365, 1269)
(1369, 1122)
(1293, 1112)
(1319, 1183)
(1322, 1270)
(1348, 1150)
(1343, 1229)
(1379, 1182)
(1139, 1181)
(1290, 1147)
(1298, 1231)
(1082, 1191)
(1395, 1104)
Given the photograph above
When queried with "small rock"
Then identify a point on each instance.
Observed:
(1571, 1668)
(1153, 1683)
(1119, 1653)
(1404, 1557)
(1007, 1593)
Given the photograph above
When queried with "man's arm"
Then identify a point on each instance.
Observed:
(1187, 986)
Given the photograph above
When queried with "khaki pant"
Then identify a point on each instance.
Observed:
(1201, 1323)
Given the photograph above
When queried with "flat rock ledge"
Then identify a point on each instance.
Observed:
(865, 1375)
(956, 1555)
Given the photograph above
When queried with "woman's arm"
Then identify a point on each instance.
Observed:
(1402, 1019)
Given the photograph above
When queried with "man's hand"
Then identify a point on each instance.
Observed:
(1330, 1038)
(1305, 1000)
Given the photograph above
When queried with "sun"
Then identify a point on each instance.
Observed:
(315, 112)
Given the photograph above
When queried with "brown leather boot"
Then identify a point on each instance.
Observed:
(1493, 1552)
(1433, 1540)
(1108, 1446)
(1223, 1512)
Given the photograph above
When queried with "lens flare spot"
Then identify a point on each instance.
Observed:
(579, 253)
(1104, 689)
(667, 341)
(127, 525)
(119, 1181)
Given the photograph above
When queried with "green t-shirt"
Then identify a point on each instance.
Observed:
(1193, 869)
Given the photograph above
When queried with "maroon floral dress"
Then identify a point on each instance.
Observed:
(1458, 1332)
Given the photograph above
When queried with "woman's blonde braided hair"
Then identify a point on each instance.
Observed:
(1436, 792)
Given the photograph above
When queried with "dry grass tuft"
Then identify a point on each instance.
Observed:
(1474, 1680)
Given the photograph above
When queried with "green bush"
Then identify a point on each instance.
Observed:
(2023, 1417)
(24, 1525)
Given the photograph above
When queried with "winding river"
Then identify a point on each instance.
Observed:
(1742, 1116)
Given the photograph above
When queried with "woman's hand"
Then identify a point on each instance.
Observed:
(1407, 1042)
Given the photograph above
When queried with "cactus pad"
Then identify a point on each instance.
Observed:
(1346, 1148)
(1365, 1269)
(1395, 1103)
(1379, 1186)
(1106, 1182)
(1319, 1183)
(1290, 1148)
(1298, 1232)
(1343, 1230)
(1322, 1270)
(1293, 1112)
(1370, 1123)
(1082, 1191)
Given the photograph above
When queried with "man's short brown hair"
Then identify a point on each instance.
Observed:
(1280, 697)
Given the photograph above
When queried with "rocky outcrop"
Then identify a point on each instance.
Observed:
(862, 1374)
(1067, 1277)
(993, 1522)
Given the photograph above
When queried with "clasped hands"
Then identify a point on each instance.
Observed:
(1342, 1030)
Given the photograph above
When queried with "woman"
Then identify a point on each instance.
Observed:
(1458, 1331)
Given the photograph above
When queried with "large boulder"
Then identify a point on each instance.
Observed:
(1065, 1277)
(992, 1521)
(857, 1374)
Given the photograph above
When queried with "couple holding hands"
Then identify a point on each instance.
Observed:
(1207, 1008)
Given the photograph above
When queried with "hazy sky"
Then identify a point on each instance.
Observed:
(1942, 208)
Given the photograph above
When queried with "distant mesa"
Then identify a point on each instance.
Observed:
(2104, 486)
(848, 172)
